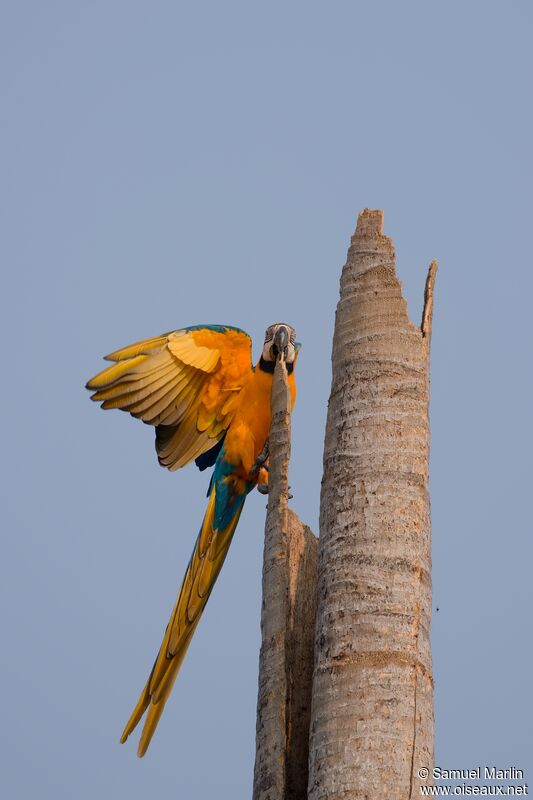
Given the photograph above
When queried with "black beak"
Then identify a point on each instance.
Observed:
(281, 341)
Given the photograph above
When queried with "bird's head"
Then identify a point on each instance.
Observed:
(280, 342)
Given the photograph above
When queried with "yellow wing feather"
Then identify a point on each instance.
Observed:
(112, 374)
(188, 381)
(145, 346)
(183, 347)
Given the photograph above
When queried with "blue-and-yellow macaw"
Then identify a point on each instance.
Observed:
(198, 387)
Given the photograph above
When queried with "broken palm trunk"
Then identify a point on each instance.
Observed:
(372, 715)
(287, 625)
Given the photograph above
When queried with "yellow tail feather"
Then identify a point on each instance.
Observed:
(206, 562)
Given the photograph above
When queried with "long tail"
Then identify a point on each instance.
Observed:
(206, 561)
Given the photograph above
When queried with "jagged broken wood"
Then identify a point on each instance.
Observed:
(287, 625)
(372, 716)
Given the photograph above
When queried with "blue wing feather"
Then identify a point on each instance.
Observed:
(208, 458)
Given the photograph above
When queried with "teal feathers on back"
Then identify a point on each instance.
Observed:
(229, 499)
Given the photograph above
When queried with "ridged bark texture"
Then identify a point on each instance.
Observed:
(287, 626)
(372, 715)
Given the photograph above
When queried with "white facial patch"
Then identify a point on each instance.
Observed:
(268, 354)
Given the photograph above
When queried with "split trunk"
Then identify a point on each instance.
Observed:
(372, 716)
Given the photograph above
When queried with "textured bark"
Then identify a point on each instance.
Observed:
(287, 626)
(372, 716)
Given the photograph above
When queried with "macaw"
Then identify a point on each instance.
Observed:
(198, 387)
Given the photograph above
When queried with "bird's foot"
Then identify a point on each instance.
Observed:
(263, 489)
(260, 460)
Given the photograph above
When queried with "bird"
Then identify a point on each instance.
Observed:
(198, 387)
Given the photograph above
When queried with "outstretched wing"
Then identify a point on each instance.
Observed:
(186, 382)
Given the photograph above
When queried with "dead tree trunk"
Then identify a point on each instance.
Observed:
(372, 715)
(287, 626)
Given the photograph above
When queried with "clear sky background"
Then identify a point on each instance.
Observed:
(170, 163)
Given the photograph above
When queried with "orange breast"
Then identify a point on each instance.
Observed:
(250, 426)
